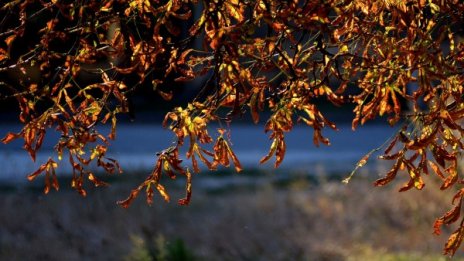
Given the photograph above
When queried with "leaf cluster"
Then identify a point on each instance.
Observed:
(284, 57)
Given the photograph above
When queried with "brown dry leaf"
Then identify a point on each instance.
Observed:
(448, 218)
(451, 179)
(34, 174)
(454, 241)
(96, 182)
(238, 166)
(127, 202)
(436, 169)
(280, 152)
(188, 189)
(389, 177)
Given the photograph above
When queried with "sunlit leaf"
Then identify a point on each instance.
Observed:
(10, 137)
(162, 192)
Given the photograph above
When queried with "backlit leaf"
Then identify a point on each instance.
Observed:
(163, 192)
(10, 137)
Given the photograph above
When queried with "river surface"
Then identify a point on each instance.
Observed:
(136, 145)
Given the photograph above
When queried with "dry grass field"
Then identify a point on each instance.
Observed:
(262, 218)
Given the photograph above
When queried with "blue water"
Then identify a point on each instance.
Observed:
(137, 144)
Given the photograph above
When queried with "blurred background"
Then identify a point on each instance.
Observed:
(301, 211)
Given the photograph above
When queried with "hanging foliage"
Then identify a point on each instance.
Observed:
(279, 56)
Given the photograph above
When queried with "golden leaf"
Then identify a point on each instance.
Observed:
(163, 192)
(235, 9)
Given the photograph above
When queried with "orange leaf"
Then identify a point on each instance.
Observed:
(451, 179)
(238, 166)
(422, 141)
(407, 186)
(33, 175)
(126, 203)
(10, 137)
(454, 241)
(436, 169)
(9, 40)
(254, 108)
(280, 153)
(188, 189)
(96, 182)
(195, 164)
(3, 55)
(112, 134)
(167, 96)
(448, 218)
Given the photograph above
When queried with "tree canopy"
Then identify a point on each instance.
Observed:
(71, 65)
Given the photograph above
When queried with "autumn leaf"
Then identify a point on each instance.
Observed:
(448, 218)
(9, 40)
(163, 192)
(451, 179)
(235, 9)
(188, 189)
(96, 182)
(10, 137)
(454, 241)
(133, 195)
(389, 177)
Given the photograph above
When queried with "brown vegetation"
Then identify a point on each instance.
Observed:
(295, 220)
